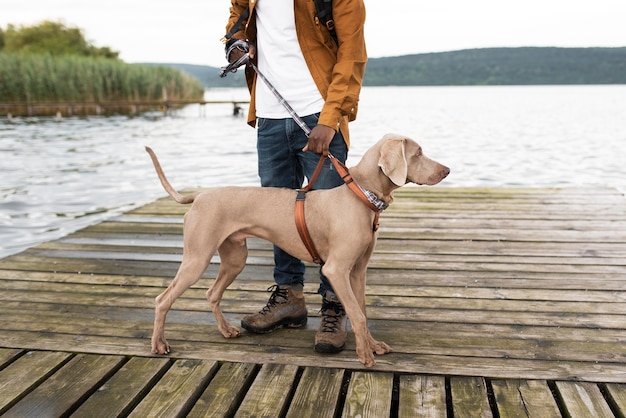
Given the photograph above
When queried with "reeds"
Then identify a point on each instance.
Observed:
(46, 79)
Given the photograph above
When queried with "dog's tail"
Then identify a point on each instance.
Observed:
(183, 199)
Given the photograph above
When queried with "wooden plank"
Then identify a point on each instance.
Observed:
(25, 373)
(225, 392)
(177, 390)
(267, 397)
(536, 217)
(400, 231)
(158, 266)
(401, 253)
(617, 393)
(7, 355)
(385, 247)
(524, 398)
(422, 396)
(317, 394)
(90, 266)
(369, 394)
(533, 303)
(469, 397)
(124, 389)
(583, 399)
(67, 387)
(275, 349)
(380, 282)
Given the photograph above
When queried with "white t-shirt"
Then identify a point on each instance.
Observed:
(281, 61)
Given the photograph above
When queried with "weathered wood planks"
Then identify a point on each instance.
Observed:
(497, 302)
(110, 386)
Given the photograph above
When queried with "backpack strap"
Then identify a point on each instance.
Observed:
(236, 27)
(325, 15)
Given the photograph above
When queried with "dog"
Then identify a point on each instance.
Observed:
(340, 226)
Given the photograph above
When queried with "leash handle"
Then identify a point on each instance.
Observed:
(245, 59)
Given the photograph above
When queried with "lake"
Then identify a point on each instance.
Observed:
(57, 176)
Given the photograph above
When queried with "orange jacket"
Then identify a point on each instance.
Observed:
(337, 70)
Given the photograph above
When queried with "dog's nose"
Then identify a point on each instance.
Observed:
(438, 175)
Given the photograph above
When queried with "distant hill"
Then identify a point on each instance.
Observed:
(501, 66)
(489, 66)
(209, 76)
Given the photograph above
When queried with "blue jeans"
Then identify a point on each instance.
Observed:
(283, 164)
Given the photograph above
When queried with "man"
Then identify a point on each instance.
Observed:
(321, 79)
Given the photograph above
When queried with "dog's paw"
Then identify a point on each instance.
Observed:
(380, 348)
(160, 346)
(367, 359)
(230, 332)
(366, 355)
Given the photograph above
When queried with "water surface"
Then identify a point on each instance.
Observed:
(59, 176)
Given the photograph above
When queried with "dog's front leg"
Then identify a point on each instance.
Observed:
(358, 275)
(358, 282)
(366, 346)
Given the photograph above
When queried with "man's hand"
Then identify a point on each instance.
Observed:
(238, 53)
(320, 139)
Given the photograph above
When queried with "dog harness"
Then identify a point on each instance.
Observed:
(366, 196)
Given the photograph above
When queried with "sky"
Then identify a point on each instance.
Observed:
(188, 31)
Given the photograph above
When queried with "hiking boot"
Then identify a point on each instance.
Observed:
(286, 307)
(332, 334)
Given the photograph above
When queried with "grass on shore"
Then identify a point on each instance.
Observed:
(45, 78)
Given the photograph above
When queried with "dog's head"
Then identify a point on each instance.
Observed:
(402, 161)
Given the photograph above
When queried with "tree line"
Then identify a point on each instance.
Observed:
(52, 38)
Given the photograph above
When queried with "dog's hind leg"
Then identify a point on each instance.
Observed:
(197, 253)
(233, 254)
(188, 274)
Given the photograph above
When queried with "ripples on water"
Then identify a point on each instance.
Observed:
(58, 176)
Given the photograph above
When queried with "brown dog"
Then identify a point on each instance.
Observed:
(338, 221)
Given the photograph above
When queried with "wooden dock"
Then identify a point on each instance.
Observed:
(497, 303)
(64, 109)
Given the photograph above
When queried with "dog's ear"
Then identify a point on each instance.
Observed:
(392, 161)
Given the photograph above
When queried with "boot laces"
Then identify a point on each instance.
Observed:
(332, 313)
(277, 293)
